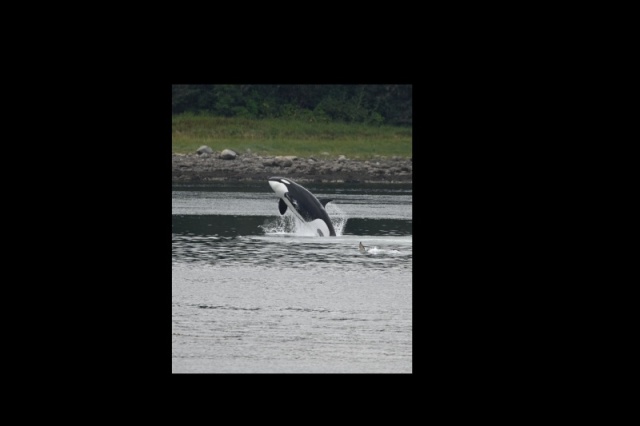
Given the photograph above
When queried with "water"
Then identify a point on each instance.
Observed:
(256, 292)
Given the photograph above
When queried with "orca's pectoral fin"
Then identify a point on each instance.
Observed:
(324, 201)
(282, 206)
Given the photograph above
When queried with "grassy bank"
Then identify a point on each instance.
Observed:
(288, 137)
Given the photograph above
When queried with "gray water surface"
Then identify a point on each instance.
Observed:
(255, 292)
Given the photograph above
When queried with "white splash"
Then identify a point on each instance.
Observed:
(280, 225)
(338, 217)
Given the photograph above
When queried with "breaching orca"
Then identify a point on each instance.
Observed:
(303, 204)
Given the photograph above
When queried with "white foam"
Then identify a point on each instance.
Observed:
(376, 250)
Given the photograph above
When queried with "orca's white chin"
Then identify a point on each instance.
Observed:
(279, 188)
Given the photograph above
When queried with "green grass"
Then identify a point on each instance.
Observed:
(288, 137)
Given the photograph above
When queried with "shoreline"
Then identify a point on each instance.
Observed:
(211, 167)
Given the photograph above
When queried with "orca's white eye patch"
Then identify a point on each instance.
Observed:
(285, 181)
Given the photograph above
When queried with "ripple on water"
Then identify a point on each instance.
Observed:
(293, 251)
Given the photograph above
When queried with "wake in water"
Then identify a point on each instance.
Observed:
(376, 250)
(292, 226)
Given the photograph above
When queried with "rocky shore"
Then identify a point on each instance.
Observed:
(206, 165)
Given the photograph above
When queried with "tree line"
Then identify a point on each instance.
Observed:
(357, 103)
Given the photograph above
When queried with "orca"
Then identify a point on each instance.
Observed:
(303, 204)
(362, 248)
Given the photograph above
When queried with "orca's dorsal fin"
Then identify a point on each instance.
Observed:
(282, 206)
(324, 201)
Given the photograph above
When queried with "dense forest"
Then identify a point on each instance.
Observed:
(374, 104)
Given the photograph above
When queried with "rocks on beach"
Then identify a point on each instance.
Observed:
(207, 165)
(228, 154)
(204, 151)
